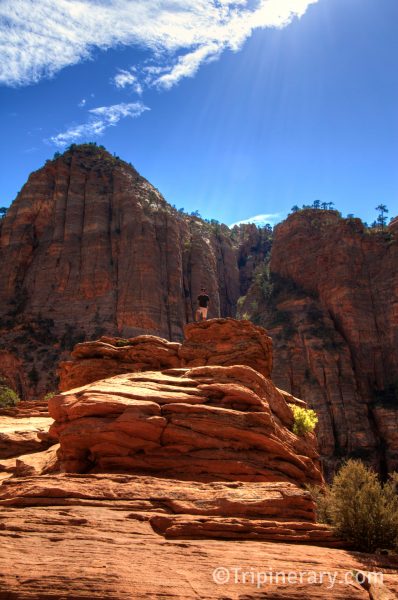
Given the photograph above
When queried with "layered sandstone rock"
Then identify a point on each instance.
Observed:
(227, 342)
(123, 536)
(221, 342)
(89, 248)
(204, 422)
(175, 508)
(330, 306)
(113, 356)
(24, 439)
(192, 477)
(22, 435)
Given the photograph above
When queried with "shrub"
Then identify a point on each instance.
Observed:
(305, 420)
(240, 302)
(321, 497)
(8, 397)
(49, 395)
(363, 510)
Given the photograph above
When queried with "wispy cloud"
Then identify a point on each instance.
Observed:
(128, 79)
(261, 220)
(82, 103)
(100, 119)
(39, 38)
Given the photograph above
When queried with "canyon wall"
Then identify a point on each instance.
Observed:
(89, 248)
(329, 299)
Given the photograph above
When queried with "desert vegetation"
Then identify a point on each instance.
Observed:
(8, 397)
(305, 420)
(360, 508)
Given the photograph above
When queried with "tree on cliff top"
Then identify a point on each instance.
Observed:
(382, 219)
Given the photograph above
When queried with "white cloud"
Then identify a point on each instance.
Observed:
(128, 79)
(101, 118)
(261, 220)
(187, 65)
(82, 103)
(38, 38)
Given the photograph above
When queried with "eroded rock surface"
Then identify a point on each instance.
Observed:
(122, 536)
(25, 439)
(113, 356)
(186, 470)
(227, 342)
(330, 305)
(205, 422)
(214, 342)
(21, 436)
(90, 248)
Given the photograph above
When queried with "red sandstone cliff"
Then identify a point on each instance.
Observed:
(88, 248)
(330, 302)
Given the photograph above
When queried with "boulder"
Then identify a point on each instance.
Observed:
(221, 342)
(203, 423)
(227, 342)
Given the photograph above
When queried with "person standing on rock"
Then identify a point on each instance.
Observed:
(203, 300)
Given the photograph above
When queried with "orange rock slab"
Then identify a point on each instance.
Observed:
(112, 536)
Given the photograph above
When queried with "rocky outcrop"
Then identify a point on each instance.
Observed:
(179, 465)
(124, 536)
(205, 422)
(22, 435)
(227, 342)
(24, 439)
(330, 306)
(113, 356)
(179, 509)
(90, 248)
(222, 342)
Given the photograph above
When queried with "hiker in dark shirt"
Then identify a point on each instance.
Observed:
(203, 300)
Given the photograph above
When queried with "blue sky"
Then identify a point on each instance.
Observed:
(231, 108)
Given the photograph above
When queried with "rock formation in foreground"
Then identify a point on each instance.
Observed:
(212, 413)
(172, 474)
(223, 342)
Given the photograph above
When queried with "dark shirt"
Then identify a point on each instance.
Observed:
(203, 300)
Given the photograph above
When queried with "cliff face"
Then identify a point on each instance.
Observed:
(330, 303)
(89, 247)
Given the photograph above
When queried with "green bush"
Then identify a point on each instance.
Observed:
(321, 497)
(305, 420)
(363, 510)
(8, 397)
(240, 302)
